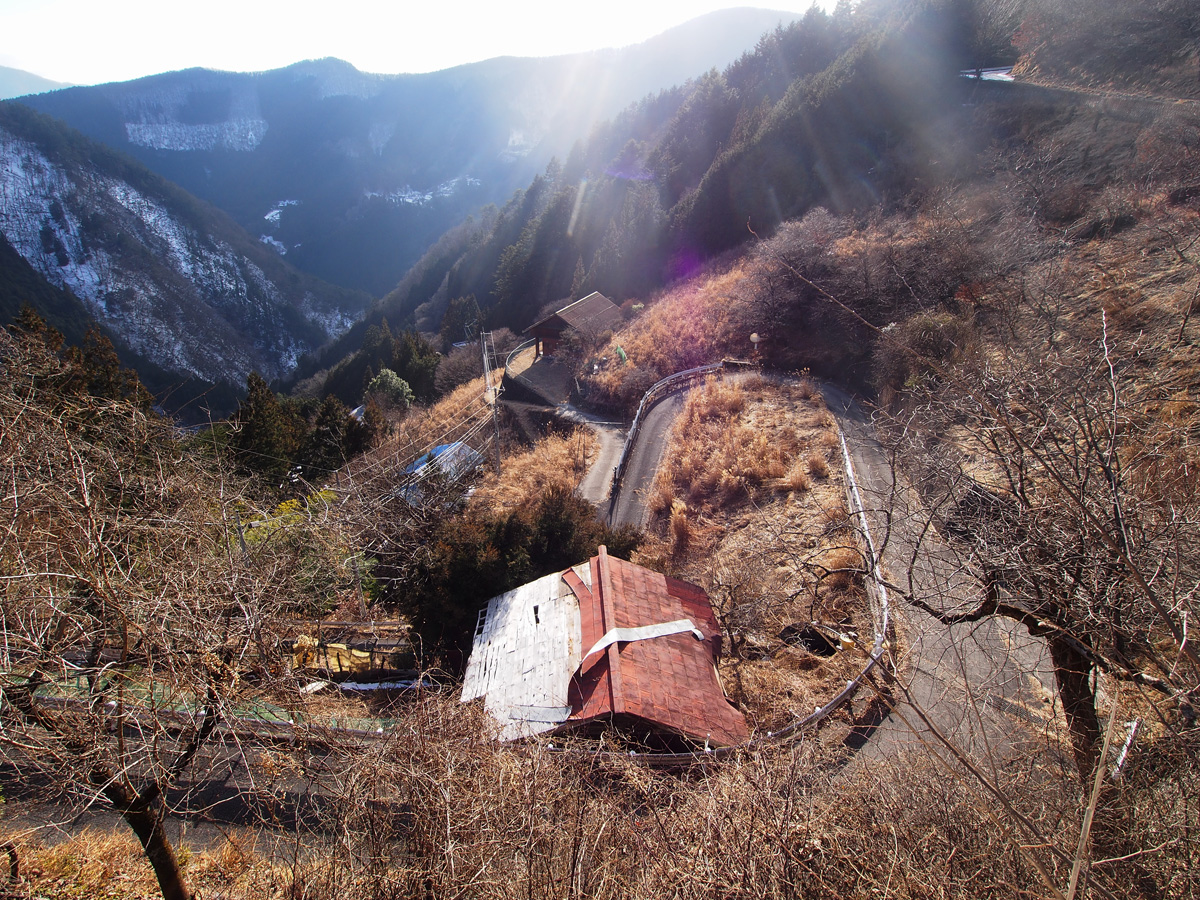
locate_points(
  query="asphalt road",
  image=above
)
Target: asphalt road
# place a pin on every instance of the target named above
(596, 484)
(215, 798)
(646, 458)
(976, 682)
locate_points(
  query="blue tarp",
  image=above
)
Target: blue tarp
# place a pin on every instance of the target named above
(455, 460)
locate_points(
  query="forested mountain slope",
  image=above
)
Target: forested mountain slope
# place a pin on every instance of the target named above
(858, 112)
(188, 293)
(354, 175)
(22, 285)
(840, 110)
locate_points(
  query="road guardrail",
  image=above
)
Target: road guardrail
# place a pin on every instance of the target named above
(657, 391)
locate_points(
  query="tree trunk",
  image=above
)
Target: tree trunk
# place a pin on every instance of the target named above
(1072, 673)
(1112, 823)
(144, 814)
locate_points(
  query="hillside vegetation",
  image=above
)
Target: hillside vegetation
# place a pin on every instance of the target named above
(194, 303)
(354, 175)
(1011, 286)
(805, 119)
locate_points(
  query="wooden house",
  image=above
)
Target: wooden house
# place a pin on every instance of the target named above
(604, 644)
(592, 315)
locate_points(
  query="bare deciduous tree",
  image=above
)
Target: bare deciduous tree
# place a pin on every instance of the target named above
(136, 631)
(1051, 471)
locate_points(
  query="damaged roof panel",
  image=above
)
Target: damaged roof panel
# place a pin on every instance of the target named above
(670, 680)
(526, 648)
(656, 643)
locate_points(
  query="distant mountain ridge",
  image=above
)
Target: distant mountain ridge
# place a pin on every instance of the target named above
(834, 111)
(353, 175)
(181, 286)
(18, 83)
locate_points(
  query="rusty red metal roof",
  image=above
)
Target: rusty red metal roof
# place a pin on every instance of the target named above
(668, 681)
(603, 642)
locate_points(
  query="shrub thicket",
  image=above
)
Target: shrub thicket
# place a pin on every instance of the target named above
(470, 558)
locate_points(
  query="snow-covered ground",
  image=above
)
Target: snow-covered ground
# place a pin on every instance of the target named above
(274, 243)
(409, 196)
(237, 134)
(275, 213)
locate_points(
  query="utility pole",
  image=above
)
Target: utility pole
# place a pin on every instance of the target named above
(491, 390)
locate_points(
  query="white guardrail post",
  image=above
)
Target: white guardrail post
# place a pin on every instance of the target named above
(880, 607)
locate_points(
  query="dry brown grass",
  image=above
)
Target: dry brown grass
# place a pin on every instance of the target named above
(739, 510)
(438, 810)
(694, 323)
(796, 479)
(834, 519)
(723, 457)
(680, 528)
(805, 388)
(818, 466)
(110, 865)
(94, 864)
(555, 461)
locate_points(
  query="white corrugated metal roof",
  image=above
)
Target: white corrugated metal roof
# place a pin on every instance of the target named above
(525, 651)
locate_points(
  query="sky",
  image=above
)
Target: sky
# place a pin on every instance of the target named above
(95, 41)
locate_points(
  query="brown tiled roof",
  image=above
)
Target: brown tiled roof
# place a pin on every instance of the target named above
(593, 314)
(668, 681)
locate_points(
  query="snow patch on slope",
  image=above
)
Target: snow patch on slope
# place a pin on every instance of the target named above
(177, 296)
(238, 134)
(166, 118)
(275, 213)
(407, 196)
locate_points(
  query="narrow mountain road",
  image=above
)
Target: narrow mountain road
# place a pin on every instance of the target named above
(596, 484)
(643, 464)
(974, 681)
(648, 453)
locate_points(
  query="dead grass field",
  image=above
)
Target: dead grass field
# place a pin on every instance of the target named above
(439, 811)
(750, 504)
(97, 864)
(691, 324)
(527, 472)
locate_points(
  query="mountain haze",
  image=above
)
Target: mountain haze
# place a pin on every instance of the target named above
(834, 110)
(18, 83)
(353, 175)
